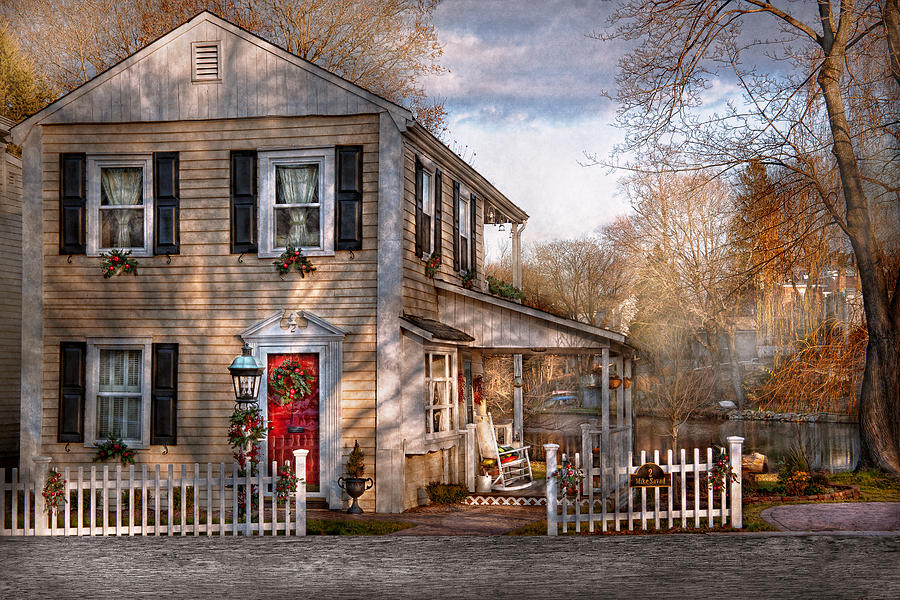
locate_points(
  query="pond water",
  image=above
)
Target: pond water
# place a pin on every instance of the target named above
(828, 446)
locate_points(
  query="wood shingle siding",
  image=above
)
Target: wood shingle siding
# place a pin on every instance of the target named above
(205, 296)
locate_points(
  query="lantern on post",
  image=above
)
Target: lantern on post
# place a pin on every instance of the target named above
(246, 372)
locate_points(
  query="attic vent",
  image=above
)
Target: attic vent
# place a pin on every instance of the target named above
(206, 65)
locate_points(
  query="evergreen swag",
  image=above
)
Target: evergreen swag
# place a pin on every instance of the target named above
(498, 287)
(356, 466)
(292, 258)
(114, 447)
(433, 265)
(246, 431)
(468, 279)
(116, 262)
(721, 473)
(286, 485)
(291, 381)
(54, 491)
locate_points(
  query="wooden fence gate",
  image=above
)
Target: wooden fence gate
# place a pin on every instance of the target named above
(606, 496)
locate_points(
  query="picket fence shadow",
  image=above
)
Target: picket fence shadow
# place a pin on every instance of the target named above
(188, 500)
(607, 499)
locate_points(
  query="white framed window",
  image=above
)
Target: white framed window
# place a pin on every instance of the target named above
(117, 399)
(441, 410)
(464, 231)
(120, 204)
(427, 169)
(296, 201)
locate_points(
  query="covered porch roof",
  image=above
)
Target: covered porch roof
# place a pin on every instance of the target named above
(501, 325)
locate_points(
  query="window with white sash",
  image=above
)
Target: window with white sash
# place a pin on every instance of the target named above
(118, 398)
(296, 201)
(120, 204)
(440, 398)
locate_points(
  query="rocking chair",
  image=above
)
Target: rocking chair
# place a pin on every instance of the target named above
(513, 464)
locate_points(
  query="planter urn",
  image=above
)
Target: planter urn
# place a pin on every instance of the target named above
(355, 486)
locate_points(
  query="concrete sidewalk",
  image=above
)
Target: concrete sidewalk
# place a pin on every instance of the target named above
(849, 516)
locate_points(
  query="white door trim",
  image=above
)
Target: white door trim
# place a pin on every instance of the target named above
(327, 343)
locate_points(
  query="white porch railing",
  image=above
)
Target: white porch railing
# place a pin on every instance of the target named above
(188, 500)
(607, 498)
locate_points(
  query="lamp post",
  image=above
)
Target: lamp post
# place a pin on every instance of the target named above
(246, 372)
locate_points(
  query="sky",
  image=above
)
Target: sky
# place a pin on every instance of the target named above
(524, 92)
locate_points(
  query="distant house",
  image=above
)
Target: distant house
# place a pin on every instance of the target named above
(11, 298)
(206, 154)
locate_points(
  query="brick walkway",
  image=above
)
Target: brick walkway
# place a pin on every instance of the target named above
(450, 520)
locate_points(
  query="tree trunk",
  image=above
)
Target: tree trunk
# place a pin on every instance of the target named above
(879, 402)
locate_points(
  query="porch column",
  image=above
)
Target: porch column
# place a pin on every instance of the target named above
(627, 373)
(518, 408)
(604, 388)
(620, 393)
(517, 254)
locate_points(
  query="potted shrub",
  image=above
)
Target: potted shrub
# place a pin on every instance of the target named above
(354, 484)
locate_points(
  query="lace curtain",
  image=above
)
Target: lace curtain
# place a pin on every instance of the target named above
(122, 211)
(296, 206)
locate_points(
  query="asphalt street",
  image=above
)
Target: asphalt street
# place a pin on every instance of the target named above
(658, 566)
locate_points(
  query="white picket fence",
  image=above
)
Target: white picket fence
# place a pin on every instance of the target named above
(606, 498)
(182, 500)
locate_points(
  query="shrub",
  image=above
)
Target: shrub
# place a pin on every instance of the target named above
(500, 288)
(356, 467)
(796, 483)
(446, 493)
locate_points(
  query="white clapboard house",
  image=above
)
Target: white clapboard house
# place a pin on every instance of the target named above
(205, 154)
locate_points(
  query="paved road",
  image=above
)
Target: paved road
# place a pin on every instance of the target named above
(666, 566)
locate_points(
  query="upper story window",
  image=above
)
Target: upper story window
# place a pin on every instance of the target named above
(296, 201)
(464, 232)
(120, 204)
(425, 204)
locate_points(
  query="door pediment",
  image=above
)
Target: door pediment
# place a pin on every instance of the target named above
(290, 324)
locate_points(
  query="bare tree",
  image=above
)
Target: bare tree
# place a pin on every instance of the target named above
(821, 98)
(685, 261)
(383, 45)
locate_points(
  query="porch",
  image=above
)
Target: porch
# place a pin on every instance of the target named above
(598, 365)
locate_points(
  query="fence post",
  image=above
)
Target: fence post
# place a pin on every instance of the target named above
(552, 494)
(735, 444)
(41, 471)
(471, 457)
(300, 497)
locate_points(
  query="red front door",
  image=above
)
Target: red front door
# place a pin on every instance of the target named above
(295, 425)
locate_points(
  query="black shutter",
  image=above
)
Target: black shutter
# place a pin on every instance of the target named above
(348, 219)
(72, 203)
(420, 213)
(456, 226)
(438, 200)
(164, 398)
(243, 201)
(166, 199)
(71, 392)
(473, 229)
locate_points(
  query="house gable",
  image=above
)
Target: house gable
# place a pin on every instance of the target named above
(255, 79)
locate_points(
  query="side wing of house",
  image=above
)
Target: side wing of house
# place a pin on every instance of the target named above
(11, 299)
